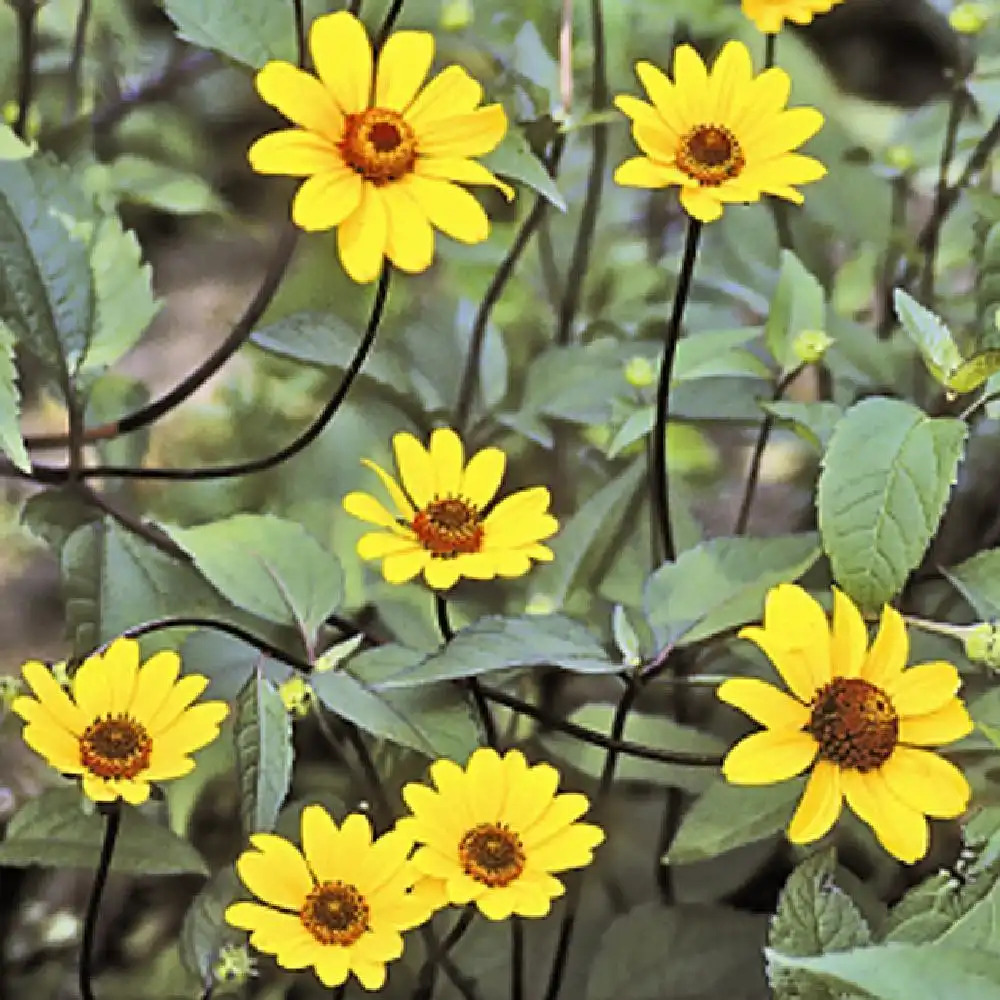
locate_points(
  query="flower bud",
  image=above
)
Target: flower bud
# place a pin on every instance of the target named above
(900, 158)
(11, 687)
(982, 644)
(234, 965)
(969, 18)
(640, 372)
(297, 696)
(810, 346)
(456, 14)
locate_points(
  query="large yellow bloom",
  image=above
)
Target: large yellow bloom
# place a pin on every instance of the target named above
(494, 833)
(440, 526)
(770, 15)
(854, 714)
(124, 726)
(379, 159)
(338, 905)
(722, 136)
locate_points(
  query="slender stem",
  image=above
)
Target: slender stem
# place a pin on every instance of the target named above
(300, 32)
(756, 459)
(573, 289)
(477, 338)
(977, 403)
(392, 15)
(893, 252)
(770, 49)
(441, 611)
(427, 973)
(568, 925)
(27, 12)
(516, 958)
(112, 813)
(930, 248)
(660, 487)
(74, 81)
(290, 450)
(370, 771)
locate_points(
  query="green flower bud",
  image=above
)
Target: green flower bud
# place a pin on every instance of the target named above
(810, 346)
(234, 965)
(982, 644)
(11, 687)
(969, 18)
(640, 372)
(456, 14)
(900, 157)
(540, 604)
(297, 696)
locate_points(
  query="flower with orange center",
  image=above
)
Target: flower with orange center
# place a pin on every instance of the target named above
(770, 15)
(445, 523)
(124, 726)
(495, 832)
(380, 152)
(721, 135)
(856, 716)
(339, 905)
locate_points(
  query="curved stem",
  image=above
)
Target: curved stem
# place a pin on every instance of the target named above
(391, 17)
(660, 487)
(477, 338)
(112, 813)
(290, 450)
(568, 925)
(76, 61)
(437, 952)
(27, 14)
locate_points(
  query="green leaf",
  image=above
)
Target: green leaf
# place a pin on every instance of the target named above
(708, 830)
(885, 481)
(496, 643)
(11, 441)
(722, 583)
(262, 730)
(655, 952)
(55, 514)
(252, 31)
(11, 147)
(513, 158)
(61, 829)
(978, 580)
(158, 185)
(205, 930)
(267, 566)
(905, 972)
(814, 916)
(798, 304)
(814, 422)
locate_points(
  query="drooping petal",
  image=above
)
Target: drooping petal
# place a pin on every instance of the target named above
(398, 497)
(763, 702)
(900, 829)
(927, 782)
(441, 574)
(701, 203)
(820, 804)
(342, 56)
(769, 756)
(410, 240)
(403, 64)
(463, 170)
(449, 208)
(924, 688)
(327, 199)
(362, 236)
(936, 728)
(400, 567)
(301, 98)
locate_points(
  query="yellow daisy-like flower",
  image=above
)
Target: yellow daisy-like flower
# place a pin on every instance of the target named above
(857, 716)
(770, 15)
(124, 726)
(338, 905)
(495, 832)
(441, 526)
(722, 135)
(379, 151)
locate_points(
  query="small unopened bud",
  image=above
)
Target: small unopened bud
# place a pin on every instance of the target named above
(234, 965)
(900, 157)
(969, 18)
(810, 346)
(540, 604)
(10, 688)
(640, 372)
(297, 696)
(456, 14)
(982, 644)
(60, 671)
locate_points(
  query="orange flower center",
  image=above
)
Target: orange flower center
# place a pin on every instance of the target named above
(335, 913)
(447, 527)
(492, 854)
(854, 723)
(379, 144)
(710, 154)
(115, 747)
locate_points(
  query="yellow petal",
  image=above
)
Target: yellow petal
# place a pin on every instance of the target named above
(530, 791)
(52, 697)
(57, 745)
(415, 468)
(301, 98)
(486, 785)
(333, 966)
(275, 871)
(482, 476)
(371, 975)
(642, 172)
(327, 199)
(379, 544)
(194, 729)
(562, 812)
(789, 131)
(133, 791)
(165, 768)
(520, 518)
(441, 574)
(887, 657)
(410, 238)
(690, 72)
(767, 757)
(664, 140)
(671, 104)
(900, 829)
(98, 789)
(701, 203)
(848, 636)
(924, 688)
(342, 56)
(763, 702)
(121, 660)
(820, 804)
(294, 153)
(157, 676)
(451, 92)
(511, 563)
(927, 782)
(362, 236)
(936, 728)
(402, 66)
(447, 460)
(473, 134)
(183, 694)
(321, 844)
(498, 903)
(92, 688)
(366, 508)
(398, 497)
(463, 170)
(729, 81)
(404, 566)
(573, 847)
(450, 208)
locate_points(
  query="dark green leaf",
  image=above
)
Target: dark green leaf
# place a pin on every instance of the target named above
(978, 580)
(11, 441)
(513, 158)
(205, 930)
(797, 305)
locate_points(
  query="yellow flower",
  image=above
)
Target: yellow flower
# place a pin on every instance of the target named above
(337, 905)
(380, 161)
(495, 832)
(124, 726)
(854, 714)
(770, 15)
(440, 527)
(722, 136)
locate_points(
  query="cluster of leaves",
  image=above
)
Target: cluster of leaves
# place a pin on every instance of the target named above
(255, 579)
